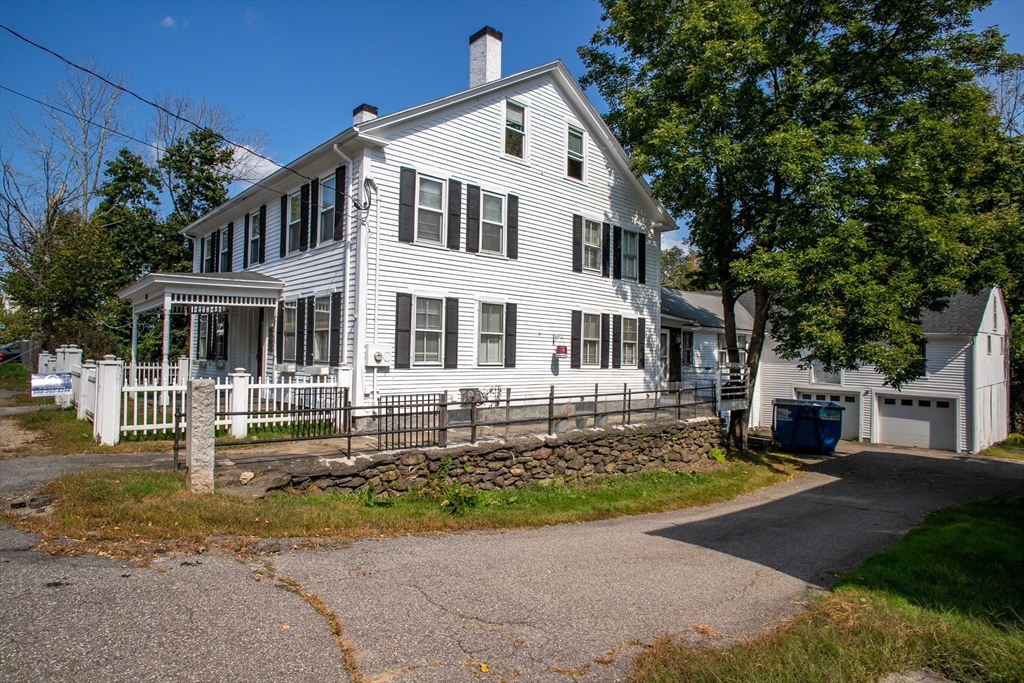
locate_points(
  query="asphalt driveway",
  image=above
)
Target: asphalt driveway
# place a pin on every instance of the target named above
(571, 602)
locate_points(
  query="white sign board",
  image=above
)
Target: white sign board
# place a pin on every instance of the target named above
(51, 384)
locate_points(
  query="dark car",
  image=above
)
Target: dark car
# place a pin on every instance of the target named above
(10, 352)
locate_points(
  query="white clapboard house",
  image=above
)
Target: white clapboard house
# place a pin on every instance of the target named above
(960, 404)
(495, 238)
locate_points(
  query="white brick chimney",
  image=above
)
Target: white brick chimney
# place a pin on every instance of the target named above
(484, 56)
(364, 112)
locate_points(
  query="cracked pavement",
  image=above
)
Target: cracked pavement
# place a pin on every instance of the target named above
(564, 603)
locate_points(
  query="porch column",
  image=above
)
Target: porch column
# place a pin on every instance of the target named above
(166, 349)
(135, 344)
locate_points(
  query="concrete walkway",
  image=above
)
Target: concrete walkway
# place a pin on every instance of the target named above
(564, 603)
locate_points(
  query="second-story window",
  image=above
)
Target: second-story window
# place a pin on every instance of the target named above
(429, 210)
(492, 229)
(591, 339)
(255, 235)
(327, 210)
(209, 258)
(630, 255)
(515, 130)
(294, 221)
(288, 332)
(592, 245)
(574, 161)
(225, 251)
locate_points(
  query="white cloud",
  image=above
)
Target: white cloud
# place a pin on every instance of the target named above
(169, 22)
(251, 167)
(251, 16)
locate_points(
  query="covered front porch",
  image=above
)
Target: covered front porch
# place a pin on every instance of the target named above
(231, 319)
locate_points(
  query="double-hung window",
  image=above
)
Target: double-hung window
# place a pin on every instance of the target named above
(629, 341)
(294, 221)
(225, 251)
(492, 334)
(255, 236)
(204, 338)
(492, 228)
(663, 352)
(723, 350)
(209, 258)
(574, 154)
(428, 331)
(591, 245)
(515, 130)
(288, 332)
(630, 255)
(429, 210)
(219, 335)
(327, 210)
(321, 329)
(591, 339)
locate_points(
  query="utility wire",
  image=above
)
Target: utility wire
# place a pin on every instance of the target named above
(148, 102)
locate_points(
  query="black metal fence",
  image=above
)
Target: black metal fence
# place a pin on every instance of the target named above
(421, 420)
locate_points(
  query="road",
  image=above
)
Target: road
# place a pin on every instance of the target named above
(563, 603)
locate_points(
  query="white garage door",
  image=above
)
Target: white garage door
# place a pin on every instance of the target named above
(917, 421)
(851, 414)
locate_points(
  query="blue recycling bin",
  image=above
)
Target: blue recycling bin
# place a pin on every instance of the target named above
(806, 425)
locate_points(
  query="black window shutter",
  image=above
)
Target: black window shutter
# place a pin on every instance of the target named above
(617, 341)
(454, 214)
(245, 244)
(304, 218)
(335, 342)
(406, 206)
(403, 330)
(215, 252)
(577, 339)
(231, 247)
(451, 333)
(605, 324)
(577, 244)
(642, 258)
(340, 205)
(314, 212)
(472, 218)
(280, 332)
(263, 235)
(606, 249)
(641, 343)
(617, 254)
(511, 311)
(284, 224)
(310, 322)
(300, 331)
(513, 226)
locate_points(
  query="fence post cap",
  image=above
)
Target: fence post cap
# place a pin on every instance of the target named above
(63, 346)
(109, 356)
(240, 370)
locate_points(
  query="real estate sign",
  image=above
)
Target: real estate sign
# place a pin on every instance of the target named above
(51, 384)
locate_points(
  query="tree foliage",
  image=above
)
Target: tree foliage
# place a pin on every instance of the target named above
(838, 158)
(680, 269)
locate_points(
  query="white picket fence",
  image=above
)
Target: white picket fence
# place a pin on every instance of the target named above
(142, 374)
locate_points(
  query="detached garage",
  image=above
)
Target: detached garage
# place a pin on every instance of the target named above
(923, 422)
(850, 401)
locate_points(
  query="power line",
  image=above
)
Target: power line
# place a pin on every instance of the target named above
(148, 102)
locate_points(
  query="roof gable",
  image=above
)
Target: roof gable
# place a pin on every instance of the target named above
(963, 315)
(702, 308)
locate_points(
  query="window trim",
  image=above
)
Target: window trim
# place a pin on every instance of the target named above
(626, 232)
(599, 246)
(416, 331)
(292, 306)
(441, 241)
(635, 343)
(571, 127)
(323, 225)
(294, 224)
(255, 240)
(593, 340)
(480, 334)
(505, 130)
(225, 251)
(317, 303)
(208, 255)
(203, 341)
(504, 220)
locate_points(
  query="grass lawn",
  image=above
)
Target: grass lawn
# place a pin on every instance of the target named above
(128, 506)
(14, 377)
(949, 597)
(61, 432)
(1012, 448)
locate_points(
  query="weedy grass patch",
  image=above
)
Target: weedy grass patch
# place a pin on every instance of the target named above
(949, 597)
(1012, 448)
(126, 506)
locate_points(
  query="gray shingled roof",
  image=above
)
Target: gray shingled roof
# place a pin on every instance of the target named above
(702, 308)
(962, 316)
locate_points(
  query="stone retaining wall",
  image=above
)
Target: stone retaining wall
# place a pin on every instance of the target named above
(580, 454)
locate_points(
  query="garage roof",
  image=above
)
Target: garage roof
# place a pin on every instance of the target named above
(962, 316)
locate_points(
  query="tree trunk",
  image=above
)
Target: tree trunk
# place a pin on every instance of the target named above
(762, 302)
(737, 418)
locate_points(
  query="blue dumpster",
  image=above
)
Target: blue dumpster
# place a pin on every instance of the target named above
(807, 426)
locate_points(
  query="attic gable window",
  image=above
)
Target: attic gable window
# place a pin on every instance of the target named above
(515, 130)
(294, 221)
(430, 210)
(574, 161)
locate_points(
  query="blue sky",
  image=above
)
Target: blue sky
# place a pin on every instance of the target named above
(297, 69)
